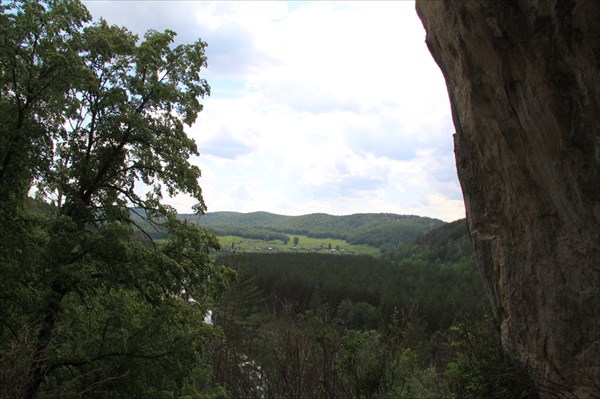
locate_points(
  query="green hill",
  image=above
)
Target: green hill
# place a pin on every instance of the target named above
(449, 243)
(379, 230)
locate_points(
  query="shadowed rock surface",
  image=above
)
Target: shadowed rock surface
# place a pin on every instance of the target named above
(524, 84)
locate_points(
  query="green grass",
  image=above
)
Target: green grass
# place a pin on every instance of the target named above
(305, 244)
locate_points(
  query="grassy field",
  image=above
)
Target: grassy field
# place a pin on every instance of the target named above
(305, 244)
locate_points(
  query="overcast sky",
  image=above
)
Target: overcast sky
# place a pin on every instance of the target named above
(332, 107)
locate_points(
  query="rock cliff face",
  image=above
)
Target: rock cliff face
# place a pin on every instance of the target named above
(523, 78)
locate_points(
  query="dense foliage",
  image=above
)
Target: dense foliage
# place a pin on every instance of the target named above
(89, 306)
(324, 326)
(447, 244)
(440, 292)
(249, 232)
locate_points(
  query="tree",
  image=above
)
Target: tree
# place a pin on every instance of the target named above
(89, 116)
(37, 64)
(296, 241)
(479, 367)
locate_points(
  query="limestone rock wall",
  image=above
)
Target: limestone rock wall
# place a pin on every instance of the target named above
(523, 78)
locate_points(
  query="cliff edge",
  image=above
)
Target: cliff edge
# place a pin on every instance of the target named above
(524, 84)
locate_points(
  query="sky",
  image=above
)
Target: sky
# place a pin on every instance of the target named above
(333, 107)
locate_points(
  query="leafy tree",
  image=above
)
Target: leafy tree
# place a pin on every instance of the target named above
(87, 113)
(36, 65)
(239, 314)
(479, 368)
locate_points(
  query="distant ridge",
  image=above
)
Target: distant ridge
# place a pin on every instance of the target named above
(381, 230)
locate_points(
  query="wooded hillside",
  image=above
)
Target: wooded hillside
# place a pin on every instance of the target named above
(380, 230)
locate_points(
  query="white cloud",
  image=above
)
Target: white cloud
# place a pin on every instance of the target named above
(331, 107)
(224, 145)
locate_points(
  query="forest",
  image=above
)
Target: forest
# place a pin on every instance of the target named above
(107, 292)
(413, 323)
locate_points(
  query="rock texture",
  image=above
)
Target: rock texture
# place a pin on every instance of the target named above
(523, 78)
